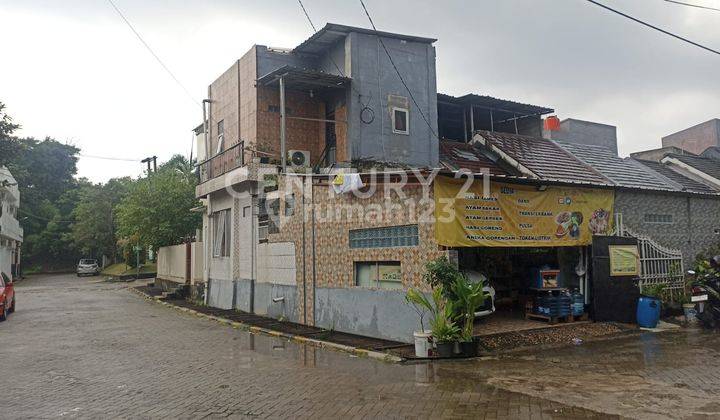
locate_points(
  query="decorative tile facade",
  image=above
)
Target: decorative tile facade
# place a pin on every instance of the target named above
(326, 238)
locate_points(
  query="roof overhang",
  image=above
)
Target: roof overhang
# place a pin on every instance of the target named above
(495, 104)
(333, 33)
(296, 78)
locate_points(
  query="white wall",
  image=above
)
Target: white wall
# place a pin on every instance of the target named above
(276, 263)
(171, 262)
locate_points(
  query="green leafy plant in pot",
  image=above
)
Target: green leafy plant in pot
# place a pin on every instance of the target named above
(445, 332)
(468, 297)
(420, 303)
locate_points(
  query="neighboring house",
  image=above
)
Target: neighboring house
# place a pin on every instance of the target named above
(701, 169)
(11, 234)
(674, 210)
(712, 152)
(656, 155)
(695, 139)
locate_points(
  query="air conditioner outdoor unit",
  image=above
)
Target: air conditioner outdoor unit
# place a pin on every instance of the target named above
(299, 158)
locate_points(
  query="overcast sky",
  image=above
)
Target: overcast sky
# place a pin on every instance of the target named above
(73, 70)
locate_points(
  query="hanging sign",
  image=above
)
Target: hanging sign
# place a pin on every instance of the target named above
(624, 260)
(513, 215)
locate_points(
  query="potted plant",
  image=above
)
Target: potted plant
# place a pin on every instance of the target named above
(421, 305)
(650, 305)
(444, 332)
(468, 297)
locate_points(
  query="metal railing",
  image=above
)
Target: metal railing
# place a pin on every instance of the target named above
(222, 163)
(658, 264)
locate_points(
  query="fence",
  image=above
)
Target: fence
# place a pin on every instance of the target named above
(172, 263)
(658, 264)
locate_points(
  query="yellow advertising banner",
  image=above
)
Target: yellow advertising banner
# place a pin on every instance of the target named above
(624, 260)
(513, 215)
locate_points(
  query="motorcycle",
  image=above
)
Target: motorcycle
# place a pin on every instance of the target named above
(706, 294)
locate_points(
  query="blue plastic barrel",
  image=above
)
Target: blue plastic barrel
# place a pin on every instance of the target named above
(648, 312)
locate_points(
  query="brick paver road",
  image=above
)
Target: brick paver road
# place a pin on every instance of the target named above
(84, 348)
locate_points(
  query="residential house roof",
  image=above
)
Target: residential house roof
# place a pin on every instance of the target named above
(685, 183)
(622, 172)
(712, 152)
(332, 33)
(456, 156)
(542, 157)
(710, 167)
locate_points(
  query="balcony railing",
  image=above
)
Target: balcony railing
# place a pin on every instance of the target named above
(222, 163)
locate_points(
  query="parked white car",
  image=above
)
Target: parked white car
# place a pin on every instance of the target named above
(88, 267)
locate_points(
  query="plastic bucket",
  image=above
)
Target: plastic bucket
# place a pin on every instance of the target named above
(648, 311)
(422, 343)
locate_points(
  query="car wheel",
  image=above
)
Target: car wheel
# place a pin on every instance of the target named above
(12, 307)
(4, 313)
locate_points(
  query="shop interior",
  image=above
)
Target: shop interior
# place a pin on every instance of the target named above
(529, 284)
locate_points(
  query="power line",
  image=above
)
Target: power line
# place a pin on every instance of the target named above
(357, 92)
(307, 16)
(137, 34)
(693, 5)
(45, 219)
(396, 69)
(108, 158)
(653, 27)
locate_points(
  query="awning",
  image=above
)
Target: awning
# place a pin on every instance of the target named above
(304, 79)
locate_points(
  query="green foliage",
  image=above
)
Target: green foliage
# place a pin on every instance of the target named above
(421, 304)
(654, 290)
(45, 173)
(156, 210)
(94, 229)
(469, 296)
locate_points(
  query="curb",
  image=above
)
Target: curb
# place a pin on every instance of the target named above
(370, 354)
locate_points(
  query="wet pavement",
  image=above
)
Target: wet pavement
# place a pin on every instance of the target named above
(79, 348)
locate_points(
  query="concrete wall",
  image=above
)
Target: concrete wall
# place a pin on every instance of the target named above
(374, 313)
(171, 262)
(586, 132)
(374, 76)
(697, 138)
(694, 219)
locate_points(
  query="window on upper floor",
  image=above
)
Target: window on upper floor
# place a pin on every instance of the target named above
(400, 120)
(220, 136)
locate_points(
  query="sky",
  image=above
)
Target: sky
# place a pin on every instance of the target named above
(73, 70)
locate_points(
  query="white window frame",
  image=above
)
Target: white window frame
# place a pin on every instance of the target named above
(222, 221)
(375, 266)
(221, 137)
(407, 120)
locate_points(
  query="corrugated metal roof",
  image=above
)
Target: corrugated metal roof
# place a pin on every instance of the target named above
(686, 184)
(544, 158)
(622, 172)
(494, 103)
(458, 156)
(331, 33)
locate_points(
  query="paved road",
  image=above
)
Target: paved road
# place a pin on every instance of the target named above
(83, 348)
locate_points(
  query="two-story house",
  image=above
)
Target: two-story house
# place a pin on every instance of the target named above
(335, 100)
(11, 234)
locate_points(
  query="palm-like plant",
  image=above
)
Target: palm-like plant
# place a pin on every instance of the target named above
(469, 296)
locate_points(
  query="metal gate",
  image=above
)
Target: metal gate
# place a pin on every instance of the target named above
(658, 264)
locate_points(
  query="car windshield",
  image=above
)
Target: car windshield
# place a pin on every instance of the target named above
(87, 262)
